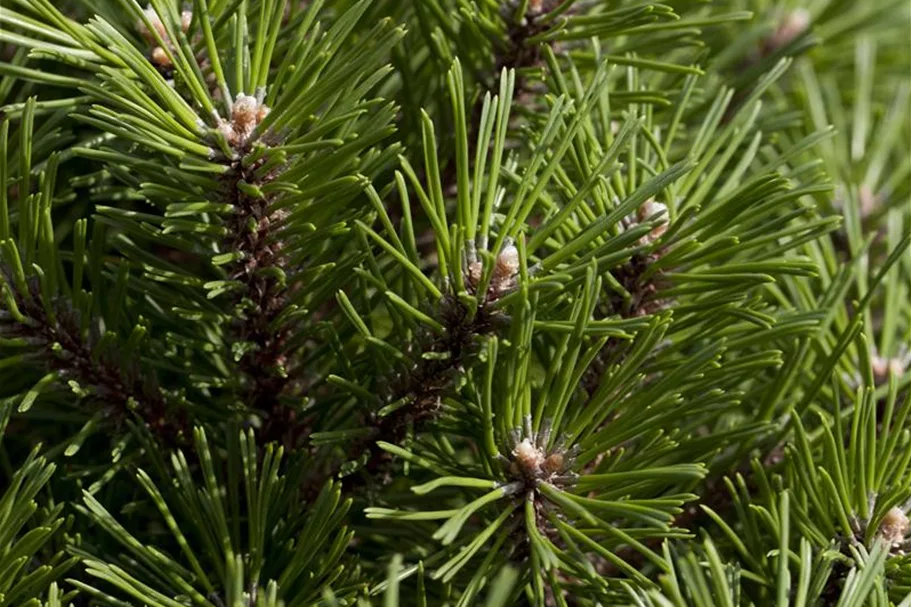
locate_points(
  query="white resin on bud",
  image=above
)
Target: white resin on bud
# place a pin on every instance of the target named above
(160, 57)
(792, 25)
(650, 209)
(153, 18)
(528, 457)
(504, 274)
(883, 367)
(895, 526)
(246, 114)
(507, 263)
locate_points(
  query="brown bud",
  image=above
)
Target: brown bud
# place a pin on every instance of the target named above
(792, 25)
(244, 111)
(554, 463)
(160, 57)
(528, 458)
(507, 263)
(868, 200)
(883, 367)
(474, 272)
(228, 131)
(894, 526)
(505, 271)
(158, 26)
(649, 209)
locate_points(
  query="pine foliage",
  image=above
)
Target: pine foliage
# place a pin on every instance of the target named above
(455, 302)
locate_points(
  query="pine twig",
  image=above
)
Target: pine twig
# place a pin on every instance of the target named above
(423, 386)
(253, 234)
(122, 387)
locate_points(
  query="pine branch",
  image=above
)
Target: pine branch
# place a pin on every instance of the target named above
(417, 392)
(637, 298)
(261, 269)
(515, 52)
(121, 387)
(625, 350)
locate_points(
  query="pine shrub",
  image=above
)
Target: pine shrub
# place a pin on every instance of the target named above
(455, 302)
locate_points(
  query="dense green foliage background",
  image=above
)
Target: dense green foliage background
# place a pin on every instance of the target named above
(455, 302)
